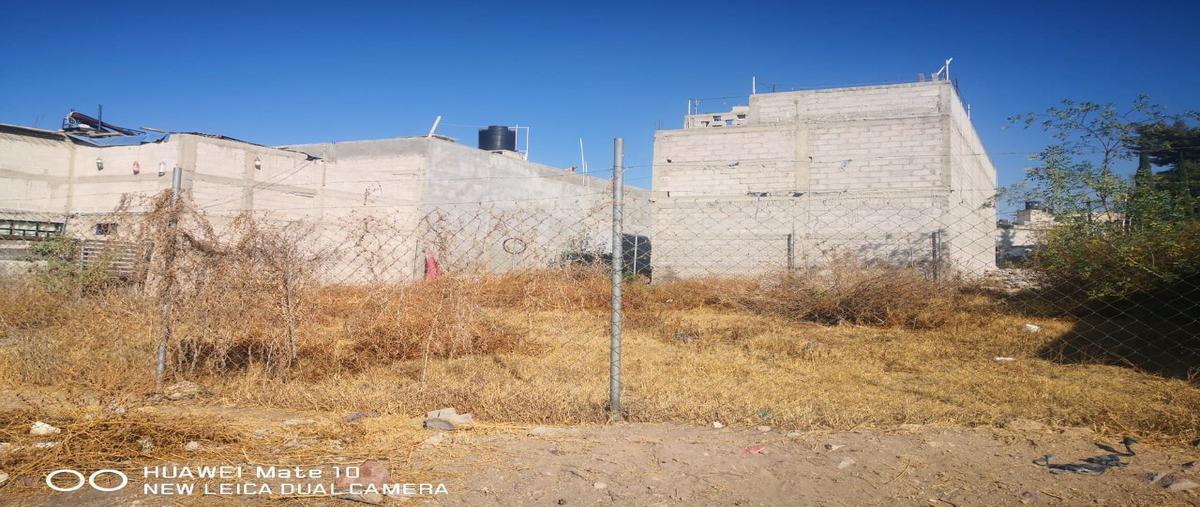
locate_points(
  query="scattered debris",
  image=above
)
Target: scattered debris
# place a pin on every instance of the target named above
(192, 446)
(718, 425)
(183, 390)
(846, 463)
(1032, 328)
(599, 485)
(146, 443)
(298, 422)
(755, 449)
(834, 447)
(447, 419)
(1004, 359)
(41, 429)
(44, 445)
(361, 415)
(1095, 465)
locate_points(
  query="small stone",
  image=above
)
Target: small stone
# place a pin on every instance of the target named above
(361, 415)
(183, 390)
(764, 429)
(1020, 424)
(192, 446)
(146, 443)
(368, 497)
(561, 501)
(1183, 485)
(599, 485)
(1032, 328)
(447, 419)
(434, 440)
(298, 422)
(834, 447)
(846, 463)
(548, 431)
(3, 478)
(41, 429)
(114, 408)
(718, 425)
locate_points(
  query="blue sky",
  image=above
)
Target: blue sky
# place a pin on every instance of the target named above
(300, 72)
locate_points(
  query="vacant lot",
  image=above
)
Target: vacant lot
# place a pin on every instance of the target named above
(533, 349)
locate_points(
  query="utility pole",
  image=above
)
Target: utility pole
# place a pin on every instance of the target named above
(614, 386)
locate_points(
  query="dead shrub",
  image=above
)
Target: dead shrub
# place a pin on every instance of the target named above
(442, 318)
(850, 293)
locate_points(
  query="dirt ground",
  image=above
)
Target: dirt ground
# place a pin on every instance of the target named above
(664, 464)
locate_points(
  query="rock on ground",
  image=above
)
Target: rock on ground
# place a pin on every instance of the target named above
(183, 390)
(447, 419)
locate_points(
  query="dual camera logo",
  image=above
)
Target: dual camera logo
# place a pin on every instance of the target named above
(80, 480)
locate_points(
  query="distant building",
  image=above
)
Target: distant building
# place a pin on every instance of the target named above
(891, 174)
(1018, 239)
(380, 203)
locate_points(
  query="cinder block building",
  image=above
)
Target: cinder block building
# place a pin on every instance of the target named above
(376, 206)
(892, 174)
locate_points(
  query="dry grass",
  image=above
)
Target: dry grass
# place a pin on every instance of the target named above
(870, 349)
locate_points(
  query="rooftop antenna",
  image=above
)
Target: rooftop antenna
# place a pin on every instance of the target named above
(432, 130)
(582, 159)
(100, 117)
(944, 72)
(753, 85)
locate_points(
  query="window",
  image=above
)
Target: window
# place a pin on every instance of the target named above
(12, 229)
(106, 229)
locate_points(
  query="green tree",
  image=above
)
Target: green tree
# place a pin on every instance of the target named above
(1119, 233)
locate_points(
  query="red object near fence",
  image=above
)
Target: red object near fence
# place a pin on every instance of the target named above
(432, 270)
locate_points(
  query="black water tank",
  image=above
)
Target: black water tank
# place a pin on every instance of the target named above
(497, 137)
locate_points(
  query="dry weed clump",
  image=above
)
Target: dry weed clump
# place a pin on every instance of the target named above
(442, 318)
(90, 440)
(854, 294)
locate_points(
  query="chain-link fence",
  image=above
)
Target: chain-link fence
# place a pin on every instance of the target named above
(839, 250)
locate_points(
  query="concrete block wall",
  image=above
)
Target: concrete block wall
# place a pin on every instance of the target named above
(865, 171)
(369, 202)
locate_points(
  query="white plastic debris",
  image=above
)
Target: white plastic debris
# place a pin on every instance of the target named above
(718, 425)
(1004, 358)
(42, 429)
(1032, 328)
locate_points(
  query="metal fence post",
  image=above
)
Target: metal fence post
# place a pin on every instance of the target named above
(614, 386)
(168, 281)
(935, 240)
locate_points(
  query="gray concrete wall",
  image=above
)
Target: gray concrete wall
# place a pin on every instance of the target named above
(373, 205)
(870, 172)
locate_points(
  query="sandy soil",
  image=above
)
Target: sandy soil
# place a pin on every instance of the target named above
(661, 464)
